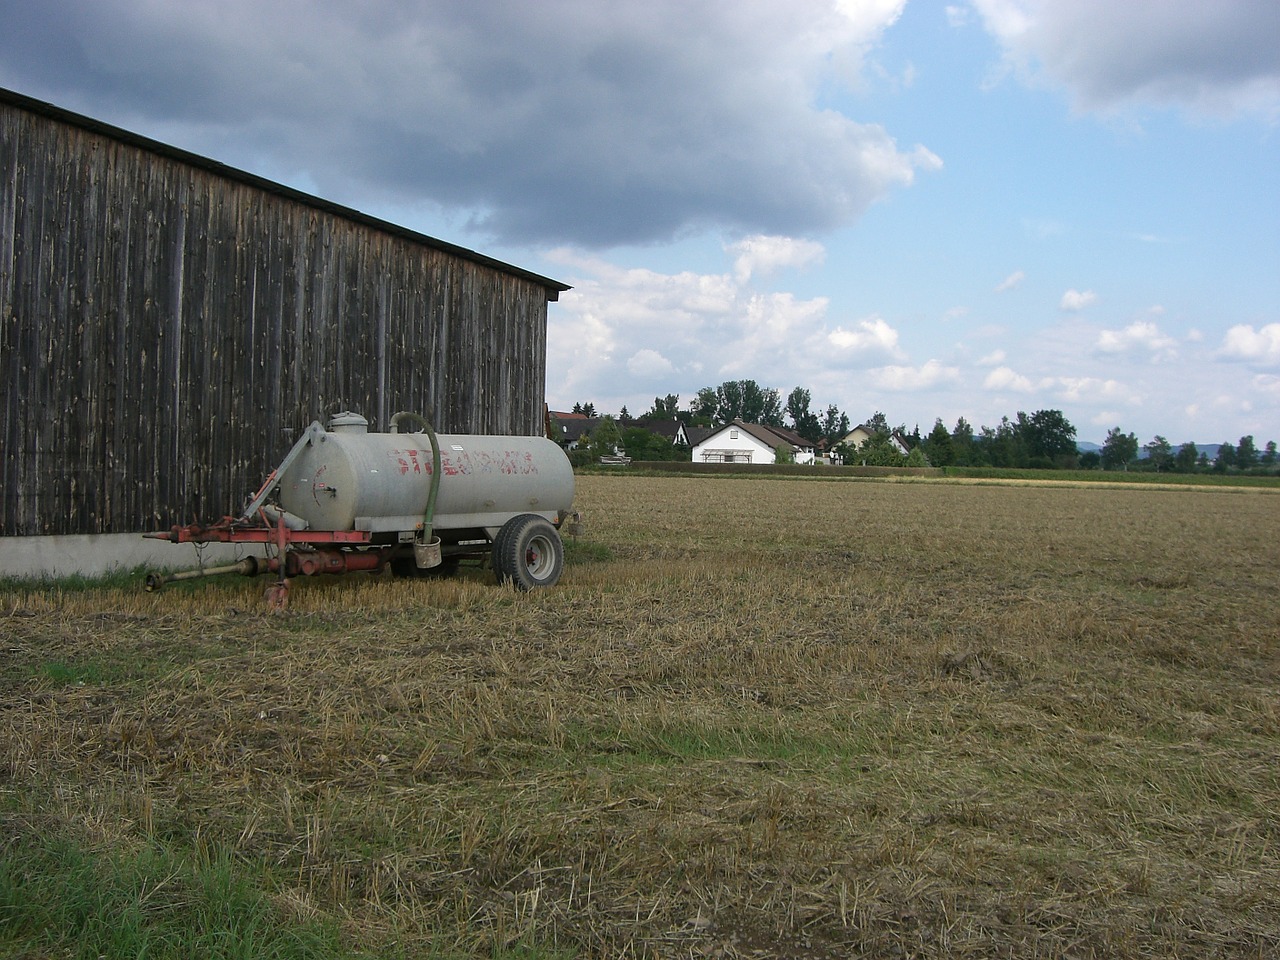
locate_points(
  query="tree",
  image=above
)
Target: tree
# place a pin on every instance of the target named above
(665, 408)
(878, 451)
(835, 425)
(783, 453)
(1268, 458)
(803, 421)
(742, 400)
(732, 402)
(1184, 461)
(705, 404)
(964, 452)
(1160, 453)
(1118, 449)
(622, 414)
(642, 444)
(938, 446)
(771, 414)
(878, 423)
(1049, 438)
(1226, 457)
(1006, 445)
(605, 439)
(586, 409)
(1246, 454)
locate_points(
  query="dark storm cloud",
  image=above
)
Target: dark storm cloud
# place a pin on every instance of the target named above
(573, 121)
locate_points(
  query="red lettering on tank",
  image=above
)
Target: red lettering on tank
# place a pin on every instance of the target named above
(454, 468)
(411, 461)
(401, 458)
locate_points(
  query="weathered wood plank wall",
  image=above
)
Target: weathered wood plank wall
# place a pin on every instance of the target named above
(167, 330)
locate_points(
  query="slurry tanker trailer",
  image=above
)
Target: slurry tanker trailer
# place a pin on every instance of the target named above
(345, 500)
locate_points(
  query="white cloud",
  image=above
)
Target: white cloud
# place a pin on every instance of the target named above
(870, 335)
(649, 364)
(1087, 389)
(1267, 384)
(560, 121)
(1216, 58)
(771, 336)
(1003, 378)
(995, 358)
(869, 17)
(1075, 300)
(1011, 281)
(763, 255)
(622, 332)
(1140, 336)
(931, 374)
(1243, 342)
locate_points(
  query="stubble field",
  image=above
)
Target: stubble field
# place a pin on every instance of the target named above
(758, 718)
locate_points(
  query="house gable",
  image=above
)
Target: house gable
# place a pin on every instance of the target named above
(862, 433)
(734, 443)
(740, 442)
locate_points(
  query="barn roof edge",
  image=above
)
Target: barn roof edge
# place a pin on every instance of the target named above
(43, 108)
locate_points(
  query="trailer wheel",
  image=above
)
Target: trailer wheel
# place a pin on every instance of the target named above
(527, 553)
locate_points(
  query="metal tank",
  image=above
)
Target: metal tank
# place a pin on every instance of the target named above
(351, 479)
(345, 500)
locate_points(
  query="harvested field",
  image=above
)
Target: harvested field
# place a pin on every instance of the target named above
(758, 718)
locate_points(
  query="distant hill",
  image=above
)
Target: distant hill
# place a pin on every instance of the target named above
(1210, 450)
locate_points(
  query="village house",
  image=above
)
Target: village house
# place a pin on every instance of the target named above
(739, 442)
(862, 433)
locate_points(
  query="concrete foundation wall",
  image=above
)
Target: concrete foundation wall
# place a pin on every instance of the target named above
(96, 555)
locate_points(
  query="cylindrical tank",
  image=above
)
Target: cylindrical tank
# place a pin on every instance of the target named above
(350, 479)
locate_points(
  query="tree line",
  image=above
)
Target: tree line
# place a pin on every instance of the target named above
(1044, 439)
(1120, 452)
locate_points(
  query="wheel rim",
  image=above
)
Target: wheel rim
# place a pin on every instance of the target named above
(539, 558)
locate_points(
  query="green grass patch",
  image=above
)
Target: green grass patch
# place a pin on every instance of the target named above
(76, 583)
(58, 894)
(62, 674)
(578, 551)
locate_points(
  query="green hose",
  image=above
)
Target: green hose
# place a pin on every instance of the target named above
(429, 517)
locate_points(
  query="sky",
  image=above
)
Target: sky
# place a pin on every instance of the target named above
(926, 209)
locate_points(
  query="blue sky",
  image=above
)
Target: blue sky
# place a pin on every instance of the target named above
(932, 210)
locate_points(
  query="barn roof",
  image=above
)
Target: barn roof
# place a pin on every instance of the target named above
(553, 287)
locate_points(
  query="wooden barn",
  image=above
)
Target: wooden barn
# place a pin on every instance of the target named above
(169, 325)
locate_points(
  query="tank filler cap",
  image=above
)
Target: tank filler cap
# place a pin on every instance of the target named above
(348, 422)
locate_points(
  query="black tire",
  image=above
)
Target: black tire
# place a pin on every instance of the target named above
(527, 553)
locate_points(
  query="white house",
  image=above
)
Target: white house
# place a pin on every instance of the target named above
(861, 434)
(739, 442)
